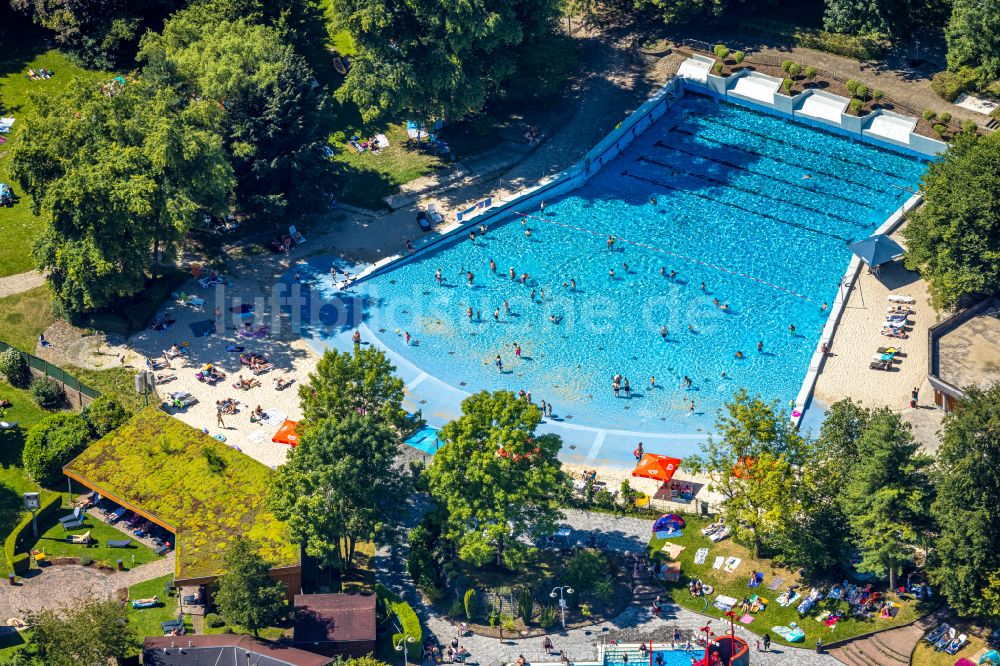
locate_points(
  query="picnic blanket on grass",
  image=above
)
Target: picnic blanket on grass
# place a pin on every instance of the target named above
(776, 584)
(747, 618)
(732, 564)
(672, 550)
(724, 603)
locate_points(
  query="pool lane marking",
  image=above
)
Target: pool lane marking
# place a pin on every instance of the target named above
(418, 381)
(595, 448)
(673, 254)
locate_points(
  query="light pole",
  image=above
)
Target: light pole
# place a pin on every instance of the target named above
(401, 644)
(562, 600)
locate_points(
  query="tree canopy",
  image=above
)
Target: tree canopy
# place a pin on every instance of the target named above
(441, 59)
(349, 383)
(272, 113)
(954, 237)
(247, 595)
(341, 485)
(965, 563)
(89, 631)
(497, 481)
(973, 35)
(887, 495)
(51, 443)
(119, 173)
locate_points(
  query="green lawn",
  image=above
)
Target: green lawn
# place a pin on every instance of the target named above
(18, 226)
(115, 382)
(267, 633)
(53, 543)
(23, 316)
(735, 585)
(146, 621)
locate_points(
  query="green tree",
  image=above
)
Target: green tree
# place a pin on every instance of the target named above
(247, 595)
(119, 174)
(965, 561)
(349, 383)
(51, 443)
(105, 414)
(438, 59)
(897, 18)
(497, 481)
(14, 367)
(887, 495)
(954, 237)
(342, 485)
(90, 631)
(272, 113)
(756, 463)
(973, 35)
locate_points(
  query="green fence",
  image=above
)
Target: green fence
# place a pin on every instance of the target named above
(68, 381)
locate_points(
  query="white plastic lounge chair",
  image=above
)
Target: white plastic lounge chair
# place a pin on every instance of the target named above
(79, 538)
(436, 217)
(899, 298)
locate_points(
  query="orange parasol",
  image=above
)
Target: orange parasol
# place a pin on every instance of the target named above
(286, 434)
(655, 466)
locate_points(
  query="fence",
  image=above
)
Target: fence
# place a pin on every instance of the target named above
(70, 384)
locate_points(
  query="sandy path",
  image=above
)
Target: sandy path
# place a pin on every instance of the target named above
(15, 284)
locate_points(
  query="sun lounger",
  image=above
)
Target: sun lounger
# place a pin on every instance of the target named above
(8, 425)
(116, 515)
(713, 528)
(71, 517)
(145, 603)
(700, 555)
(164, 549)
(936, 634)
(946, 638)
(809, 602)
(436, 217)
(119, 543)
(79, 538)
(73, 525)
(261, 369)
(956, 644)
(897, 298)
(170, 625)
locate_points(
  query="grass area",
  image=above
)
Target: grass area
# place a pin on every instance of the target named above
(267, 633)
(53, 543)
(925, 654)
(146, 621)
(210, 492)
(18, 225)
(115, 382)
(735, 585)
(23, 316)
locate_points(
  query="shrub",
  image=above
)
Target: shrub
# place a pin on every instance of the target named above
(854, 107)
(403, 612)
(969, 126)
(14, 367)
(471, 604)
(525, 604)
(721, 52)
(852, 86)
(786, 65)
(950, 85)
(786, 85)
(585, 610)
(584, 569)
(604, 589)
(929, 115)
(603, 498)
(877, 95)
(507, 622)
(940, 129)
(46, 392)
(105, 414)
(861, 92)
(794, 70)
(214, 621)
(945, 117)
(739, 56)
(86, 560)
(811, 72)
(455, 610)
(850, 46)
(547, 617)
(494, 618)
(629, 494)
(216, 463)
(717, 68)
(51, 443)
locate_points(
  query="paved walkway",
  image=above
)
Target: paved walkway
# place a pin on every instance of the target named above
(58, 586)
(15, 284)
(579, 644)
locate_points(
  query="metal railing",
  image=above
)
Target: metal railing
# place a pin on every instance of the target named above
(43, 367)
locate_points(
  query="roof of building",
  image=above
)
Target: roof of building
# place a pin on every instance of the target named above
(341, 618)
(204, 491)
(965, 348)
(224, 650)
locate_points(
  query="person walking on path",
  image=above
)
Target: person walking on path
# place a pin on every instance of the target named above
(767, 642)
(218, 418)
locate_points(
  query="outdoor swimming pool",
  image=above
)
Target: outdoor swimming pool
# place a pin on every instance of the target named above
(757, 209)
(670, 658)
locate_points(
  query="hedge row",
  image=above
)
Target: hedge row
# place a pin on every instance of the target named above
(402, 611)
(18, 540)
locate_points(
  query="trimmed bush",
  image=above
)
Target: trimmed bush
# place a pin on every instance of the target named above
(547, 617)
(969, 126)
(51, 443)
(105, 414)
(739, 56)
(940, 129)
(86, 560)
(929, 115)
(46, 392)
(811, 72)
(861, 92)
(945, 117)
(402, 611)
(14, 367)
(786, 65)
(214, 621)
(794, 70)
(854, 107)
(852, 86)
(525, 604)
(720, 51)
(717, 68)
(786, 85)
(18, 540)
(471, 604)
(877, 95)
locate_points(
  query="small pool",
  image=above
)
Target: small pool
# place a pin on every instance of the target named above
(425, 440)
(670, 658)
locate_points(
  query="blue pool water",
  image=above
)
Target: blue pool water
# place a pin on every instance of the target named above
(757, 208)
(670, 658)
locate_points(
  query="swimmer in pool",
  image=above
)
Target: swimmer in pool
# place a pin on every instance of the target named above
(513, 275)
(791, 329)
(703, 288)
(739, 354)
(823, 307)
(760, 346)
(625, 266)
(493, 266)
(472, 236)
(673, 274)
(572, 284)
(611, 274)
(469, 276)
(663, 332)
(652, 200)
(663, 271)
(468, 311)
(437, 275)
